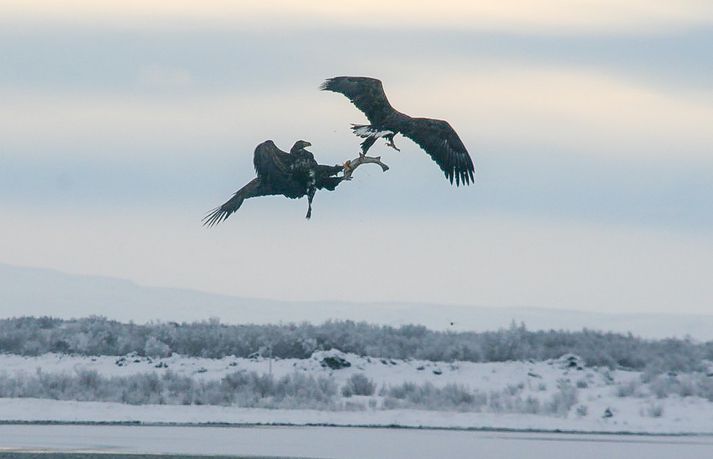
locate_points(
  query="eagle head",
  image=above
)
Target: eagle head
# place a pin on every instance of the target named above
(300, 144)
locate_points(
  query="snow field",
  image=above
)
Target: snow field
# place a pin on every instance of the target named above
(557, 394)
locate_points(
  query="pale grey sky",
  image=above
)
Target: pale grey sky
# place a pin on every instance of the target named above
(590, 126)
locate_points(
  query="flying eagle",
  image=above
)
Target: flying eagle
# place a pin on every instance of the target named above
(293, 175)
(436, 137)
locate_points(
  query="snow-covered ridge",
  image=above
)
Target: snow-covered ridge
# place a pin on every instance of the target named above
(557, 394)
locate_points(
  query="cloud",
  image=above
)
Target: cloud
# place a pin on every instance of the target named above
(545, 16)
(125, 126)
(491, 103)
(581, 110)
(548, 141)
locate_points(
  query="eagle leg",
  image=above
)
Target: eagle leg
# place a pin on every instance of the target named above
(310, 196)
(390, 142)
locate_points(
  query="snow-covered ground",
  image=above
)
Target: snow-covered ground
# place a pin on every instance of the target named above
(598, 391)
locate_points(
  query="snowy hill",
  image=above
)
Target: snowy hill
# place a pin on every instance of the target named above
(32, 291)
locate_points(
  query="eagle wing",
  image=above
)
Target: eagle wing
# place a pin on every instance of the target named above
(255, 187)
(270, 162)
(443, 145)
(252, 189)
(367, 94)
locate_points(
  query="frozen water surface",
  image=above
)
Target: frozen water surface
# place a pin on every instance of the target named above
(347, 443)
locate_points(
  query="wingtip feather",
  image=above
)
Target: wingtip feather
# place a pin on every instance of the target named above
(210, 219)
(326, 85)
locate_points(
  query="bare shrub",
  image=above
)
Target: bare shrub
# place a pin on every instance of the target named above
(562, 400)
(683, 385)
(662, 386)
(156, 348)
(358, 384)
(582, 410)
(532, 405)
(427, 396)
(653, 410)
(629, 389)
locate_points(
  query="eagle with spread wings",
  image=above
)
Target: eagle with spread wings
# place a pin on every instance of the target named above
(439, 140)
(294, 175)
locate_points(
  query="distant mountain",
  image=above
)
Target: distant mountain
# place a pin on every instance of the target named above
(33, 291)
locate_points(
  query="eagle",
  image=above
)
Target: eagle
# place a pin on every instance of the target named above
(293, 175)
(436, 137)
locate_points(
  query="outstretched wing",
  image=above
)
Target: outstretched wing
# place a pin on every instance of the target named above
(253, 189)
(270, 162)
(367, 94)
(441, 142)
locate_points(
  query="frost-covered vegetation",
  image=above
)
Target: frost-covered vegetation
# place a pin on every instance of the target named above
(347, 366)
(295, 390)
(694, 384)
(552, 388)
(99, 336)
(247, 389)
